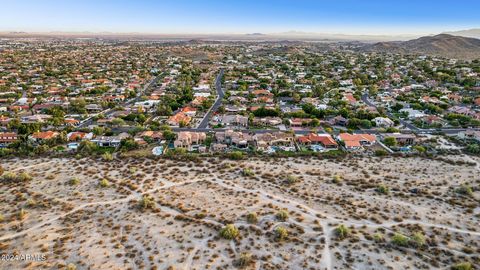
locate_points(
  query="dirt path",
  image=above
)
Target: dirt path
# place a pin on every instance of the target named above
(78, 208)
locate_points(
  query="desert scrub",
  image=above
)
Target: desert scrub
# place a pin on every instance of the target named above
(229, 232)
(247, 172)
(236, 155)
(104, 183)
(11, 177)
(417, 240)
(74, 181)
(281, 234)
(399, 239)
(337, 179)
(252, 217)
(462, 266)
(291, 179)
(342, 232)
(282, 215)
(245, 259)
(382, 189)
(1, 218)
(24, 177)
(31, 203)
(464, 190)
(22, 214)
(146, 202)
(107, 156)
(378, 237)
(71, 266)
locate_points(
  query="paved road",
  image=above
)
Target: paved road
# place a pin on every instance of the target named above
(177, 129)
(218, 86)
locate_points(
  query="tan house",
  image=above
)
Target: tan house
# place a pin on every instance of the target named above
(189, 140)
(235, 138)
(178, 119)
(264, 140)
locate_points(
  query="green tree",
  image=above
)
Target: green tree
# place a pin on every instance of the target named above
(390, 141)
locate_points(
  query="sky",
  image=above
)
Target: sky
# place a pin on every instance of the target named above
(378, 17)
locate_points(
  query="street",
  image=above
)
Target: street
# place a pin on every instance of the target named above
(218, 102)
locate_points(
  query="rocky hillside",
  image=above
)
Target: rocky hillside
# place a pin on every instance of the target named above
(442, 45)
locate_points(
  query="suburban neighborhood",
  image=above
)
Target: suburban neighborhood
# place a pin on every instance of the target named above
(264, 98)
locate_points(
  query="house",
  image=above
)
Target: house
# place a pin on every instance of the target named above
(78, 136)
(104, 121)
(234, 138)
(235, 108)
(189, 140)
(350, 98)
(231, 120)
(339, 120)
(178, 119)
(461, 110)
(71, 122)
(6, 138)
(262, 93)
(155, 136)
(324, 140)
(357, 141)
(36, 118)
(412, 114)
(44, 136)
(402, 139)
(383, 122)
(431, 119)
(264, 140)
(110, 141)
(267, 121)
(198, 101)
(202, 88)
(299, 122)
(189, 111)
(93, 108)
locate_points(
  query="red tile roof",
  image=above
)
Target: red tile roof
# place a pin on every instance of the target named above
(45, 135)
(326, 139)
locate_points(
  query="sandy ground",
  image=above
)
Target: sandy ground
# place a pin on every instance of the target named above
(95, 227)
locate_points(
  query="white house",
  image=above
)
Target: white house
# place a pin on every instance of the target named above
(383, 122)
(412, 114)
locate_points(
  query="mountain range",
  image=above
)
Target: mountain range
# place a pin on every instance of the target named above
(440, 45)
(473, 33)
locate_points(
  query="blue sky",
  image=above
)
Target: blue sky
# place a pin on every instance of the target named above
(241, 16)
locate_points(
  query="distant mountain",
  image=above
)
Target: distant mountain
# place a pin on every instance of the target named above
(442, 45)
(473, 33)
(256, 34)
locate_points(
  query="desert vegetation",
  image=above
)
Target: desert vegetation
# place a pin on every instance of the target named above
(255, 213)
